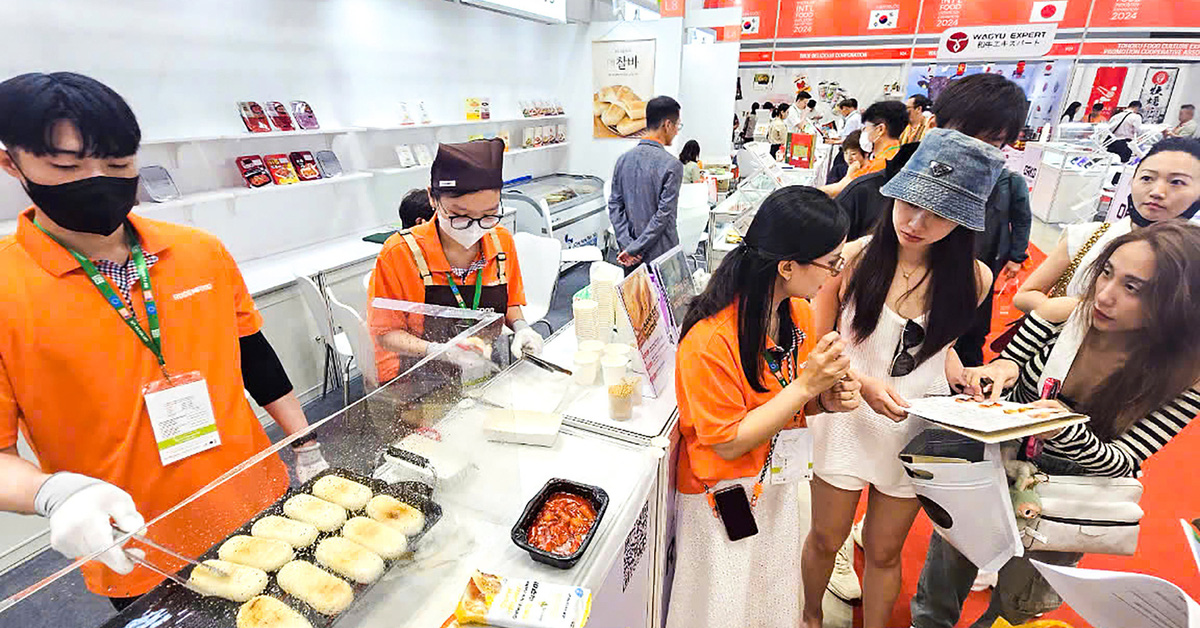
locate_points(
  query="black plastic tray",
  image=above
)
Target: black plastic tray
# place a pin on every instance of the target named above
(169, 604)
(520, 531)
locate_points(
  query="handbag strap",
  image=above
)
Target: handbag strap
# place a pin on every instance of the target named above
(1060, 287)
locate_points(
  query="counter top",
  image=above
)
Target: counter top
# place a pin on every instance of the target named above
(274, 271)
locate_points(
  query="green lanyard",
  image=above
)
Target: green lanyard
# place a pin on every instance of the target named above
(458, 295)
(777, 368)
(153, 339)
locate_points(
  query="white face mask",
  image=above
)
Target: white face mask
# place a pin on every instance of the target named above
(864, 140)
(465, 237)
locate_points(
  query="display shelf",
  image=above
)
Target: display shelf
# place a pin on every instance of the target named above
(425, 168)
(522, 151)
(274, 271)
(250, 136)
(239, 192)
(8, 227)
(438, 125)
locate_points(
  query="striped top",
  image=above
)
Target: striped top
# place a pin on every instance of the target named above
(1121, 457)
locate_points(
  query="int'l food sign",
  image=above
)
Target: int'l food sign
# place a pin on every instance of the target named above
(996, 42)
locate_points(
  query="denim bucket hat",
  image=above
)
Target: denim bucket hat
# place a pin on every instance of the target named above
(951, 175)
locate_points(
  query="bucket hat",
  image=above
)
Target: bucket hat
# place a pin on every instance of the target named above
(951, 175)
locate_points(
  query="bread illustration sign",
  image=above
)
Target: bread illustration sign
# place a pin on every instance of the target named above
(620, 110)
(622, 80)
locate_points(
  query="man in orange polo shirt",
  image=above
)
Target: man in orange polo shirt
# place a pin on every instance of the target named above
(110, 322)
(883, 122)
(461, 259)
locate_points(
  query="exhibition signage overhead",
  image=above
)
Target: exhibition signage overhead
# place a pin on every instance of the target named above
(539, 10)
(939, 15)
(977, 43)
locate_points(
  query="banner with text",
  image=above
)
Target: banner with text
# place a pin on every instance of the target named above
(996, 42)
(622, 82)
(1156, 93)
(938, 15)
(1146, 15)
(847, 18)
(1106, 88)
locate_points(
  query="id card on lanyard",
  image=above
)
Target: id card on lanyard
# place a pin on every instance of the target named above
(179, 407)
(791, 457)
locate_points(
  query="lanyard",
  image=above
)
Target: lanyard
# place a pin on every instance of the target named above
(153, 338)
(458, 295)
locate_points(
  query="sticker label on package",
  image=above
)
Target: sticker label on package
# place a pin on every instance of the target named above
(532, 604)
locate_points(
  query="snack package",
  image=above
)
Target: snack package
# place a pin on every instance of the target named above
(254, 117)
(305, 118)
(485, 108)
(405, 155)
(516, 603)
(525, 108)
(530, 133)
(472, 109)
(281, 169)
(505, 137)
(405, 118)
(424, 113)
(305, 165)
(424, 156)
(156, 185)
(558, 108)
(328, 161)
(254, 172)
(279, 116)
(562, 133)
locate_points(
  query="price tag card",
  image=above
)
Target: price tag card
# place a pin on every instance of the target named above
(182, 417)
(793, 457)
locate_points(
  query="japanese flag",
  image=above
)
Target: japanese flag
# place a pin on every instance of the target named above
(750, 25)
(1052, 11)
(884, 18)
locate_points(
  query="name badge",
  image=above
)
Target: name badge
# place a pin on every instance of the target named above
(182, 417)
(792, 460)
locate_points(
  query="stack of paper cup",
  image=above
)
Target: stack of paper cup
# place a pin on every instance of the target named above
(586, 319)
(604, 279)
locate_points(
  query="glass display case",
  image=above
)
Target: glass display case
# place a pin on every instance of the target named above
(569, 207)
(728, 221)
(437, 438)
(1069, 181)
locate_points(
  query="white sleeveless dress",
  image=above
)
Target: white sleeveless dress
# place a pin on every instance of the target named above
(863, 444)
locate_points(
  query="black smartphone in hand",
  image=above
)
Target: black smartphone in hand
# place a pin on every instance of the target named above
(733, 507)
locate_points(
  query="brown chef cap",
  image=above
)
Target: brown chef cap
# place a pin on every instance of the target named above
(468, 167)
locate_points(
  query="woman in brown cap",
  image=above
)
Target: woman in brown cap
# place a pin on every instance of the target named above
(463, 259)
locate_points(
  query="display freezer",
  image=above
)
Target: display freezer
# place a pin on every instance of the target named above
(569, 207)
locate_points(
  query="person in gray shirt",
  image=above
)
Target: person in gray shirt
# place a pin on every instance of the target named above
(645, 189)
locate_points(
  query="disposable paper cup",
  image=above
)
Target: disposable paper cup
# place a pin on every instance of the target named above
(615, 368)
(592, 346)
(586, 365)
(618, 349)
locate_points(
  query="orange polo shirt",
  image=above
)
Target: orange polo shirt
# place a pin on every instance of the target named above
(714, 397)
(72, 372)
(396, 277)
(879, 161)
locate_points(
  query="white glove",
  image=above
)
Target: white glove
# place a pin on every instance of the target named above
(309, 461)
(82, 512)
(525, 338)
(466, 359)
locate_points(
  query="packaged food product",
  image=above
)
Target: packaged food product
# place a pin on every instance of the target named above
(562, 524)
(562, 133)
(330, 166)
(405, 155)
(485, 108)
(424, 155)
(305, 165)
(504, 136)
(558, 108)
(525, 109)
(156, 184)
(530, 137)
(281, 169)
(254, 117)
(253, 170)
(423, 112)
(303, 113)
(405, 117)
(472, 109)
(279, 116)
(517, 603)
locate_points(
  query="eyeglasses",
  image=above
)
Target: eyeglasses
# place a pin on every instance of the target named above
(464, 222)
(904, 362)
(834, 269)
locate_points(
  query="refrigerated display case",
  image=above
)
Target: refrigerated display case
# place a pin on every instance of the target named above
(569, 207)
(422, 438)
(1069, 181)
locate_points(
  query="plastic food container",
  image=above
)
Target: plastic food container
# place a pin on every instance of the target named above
(520, 532)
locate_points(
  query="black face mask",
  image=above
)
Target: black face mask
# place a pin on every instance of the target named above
(96, 205)
(1142, 221)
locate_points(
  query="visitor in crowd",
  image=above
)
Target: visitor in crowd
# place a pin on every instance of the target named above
(852, 159)
(883, 122)
(798, 112)
(777, 132)
(86, 344)
(920, 118)
(1128, 356)
(851, 118)
(1097, 114)
(1071, 112)
(1187, 123)
(645, 189)
(908, 292)
(690, 157)
(812, 111)
(1165, 185)
(750, 367)
(415, 208)
(1125, 126)
(749, 124)
(847, 120)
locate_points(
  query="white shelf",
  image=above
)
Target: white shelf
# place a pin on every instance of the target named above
(231, 193)
(251, 136)
(8, 227)
(425, 168)
(436, 125)
(274, 271)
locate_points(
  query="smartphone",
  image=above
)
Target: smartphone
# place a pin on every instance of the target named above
(733, 507)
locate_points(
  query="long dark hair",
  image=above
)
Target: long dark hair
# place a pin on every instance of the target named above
(690, 152)
(1165, 360)
(1072, 109)
(953, 294)
(796, 223)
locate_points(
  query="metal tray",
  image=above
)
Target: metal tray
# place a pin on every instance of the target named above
(169, 604)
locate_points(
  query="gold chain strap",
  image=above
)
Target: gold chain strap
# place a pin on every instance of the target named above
(1064, 280)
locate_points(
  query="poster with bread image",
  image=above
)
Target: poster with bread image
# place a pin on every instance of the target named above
(640, 301)
(622, 82)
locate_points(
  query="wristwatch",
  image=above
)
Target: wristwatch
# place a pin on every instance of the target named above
(304, 440)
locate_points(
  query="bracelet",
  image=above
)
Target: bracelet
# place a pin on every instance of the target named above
(304, 440)
(821, 405)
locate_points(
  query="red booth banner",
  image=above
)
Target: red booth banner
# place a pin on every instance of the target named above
(1106, 88)
(847, 18)
(758, 19)
(1153, 49)
(1146, 15)
(939, 15)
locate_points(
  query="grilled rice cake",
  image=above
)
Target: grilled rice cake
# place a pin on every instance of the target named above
(241, 584)
(295, 533)
(349, 559)
(346, 493)
(326, 516)
(324, 592)
(252, 551)
(267, 612)
(388, 542)
(396, 514)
